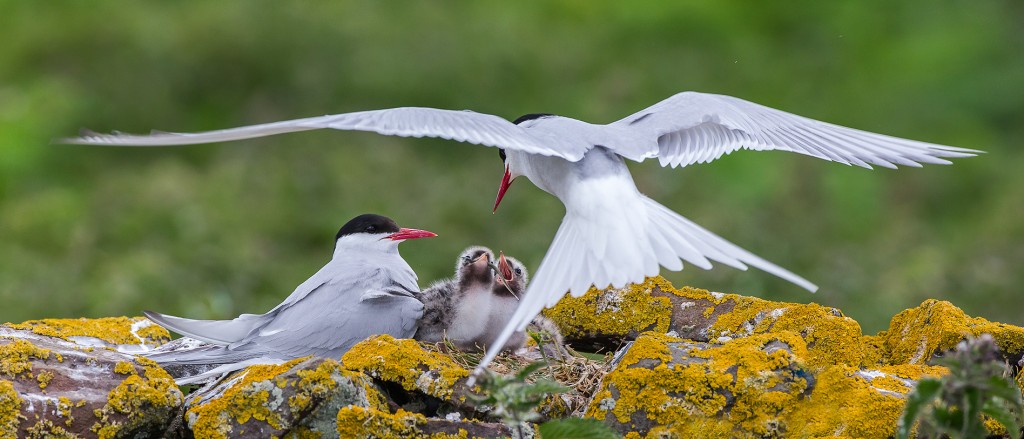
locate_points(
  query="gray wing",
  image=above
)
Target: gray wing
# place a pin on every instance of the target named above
(693, 127)
(333, 317)
(463, 126)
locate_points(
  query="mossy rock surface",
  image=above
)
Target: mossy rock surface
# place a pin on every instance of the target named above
(52, 387)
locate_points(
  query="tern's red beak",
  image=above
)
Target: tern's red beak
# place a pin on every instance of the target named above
(403, 234)
(504, 267)
(506, 181)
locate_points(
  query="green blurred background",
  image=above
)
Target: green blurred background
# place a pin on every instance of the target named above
(212, 231)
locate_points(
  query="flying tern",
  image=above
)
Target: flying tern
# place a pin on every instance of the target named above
(365, 289)
(611, 233)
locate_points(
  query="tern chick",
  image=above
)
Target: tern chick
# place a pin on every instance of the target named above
(365, 289)
(471, 308)
(445, 302)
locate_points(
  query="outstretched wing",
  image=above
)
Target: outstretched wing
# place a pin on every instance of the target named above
(463, 126)
(693, 127)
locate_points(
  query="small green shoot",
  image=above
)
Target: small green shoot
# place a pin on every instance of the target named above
(978, 384)
(515, 400)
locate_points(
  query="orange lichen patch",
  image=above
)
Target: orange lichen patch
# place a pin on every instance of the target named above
(854, 402)
(10, 409)
(831, 337)
(916, 334)
(143, 399)
(115, 330)
(250, 398)
(320, 382)
(16, 357)
(361, 422)
(756, 379)
(404, 361)
(614, 311)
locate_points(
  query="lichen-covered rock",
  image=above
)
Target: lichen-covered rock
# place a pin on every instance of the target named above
(406, 363)
(918, 334)
(52, 387)
(126, 334)
(312, 397)
(605, 319)
(300, 398)
(756, 386)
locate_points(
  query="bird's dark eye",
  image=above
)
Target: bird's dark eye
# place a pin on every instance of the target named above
(519, 271)
(501, 152)
(371, 229)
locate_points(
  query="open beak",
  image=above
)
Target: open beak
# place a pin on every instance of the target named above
(506, 181)
(504, 267)
(403, 234)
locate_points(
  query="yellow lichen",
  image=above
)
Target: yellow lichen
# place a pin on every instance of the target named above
(848, 401)
(124, 368)
(831, 337)
(46, 429)
(138, 397)
(64, 406)
(10, 409)
(685, 398)
(361, 422)
(115, 330)
(44, 379)
(614, 311)
(405, 362)
(319, 382)
(914, 335)
(246, 400)
(16, 357)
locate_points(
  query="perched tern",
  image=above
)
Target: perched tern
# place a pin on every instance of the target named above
(611, 233)
(366, 289)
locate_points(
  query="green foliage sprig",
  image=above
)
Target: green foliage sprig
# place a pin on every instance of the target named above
(515, 400)
(978, 384)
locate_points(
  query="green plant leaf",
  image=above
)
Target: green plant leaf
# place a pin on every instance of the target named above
(1002, 415)
(577, 428)
(920, 398)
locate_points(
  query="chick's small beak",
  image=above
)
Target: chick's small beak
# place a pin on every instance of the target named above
(506, 181)
(403, 234)
(482, 261)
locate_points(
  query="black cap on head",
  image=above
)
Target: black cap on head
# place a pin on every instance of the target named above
(531, 116)
(367, 223)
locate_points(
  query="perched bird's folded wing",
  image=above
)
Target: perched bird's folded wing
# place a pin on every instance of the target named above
(463, 126)
(693, 127)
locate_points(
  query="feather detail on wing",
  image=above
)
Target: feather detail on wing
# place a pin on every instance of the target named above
(462, 126)
(693, 127)
(623, 247)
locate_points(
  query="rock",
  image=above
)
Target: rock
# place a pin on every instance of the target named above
(313, 397)
(410, 368)
(126, 334)
(604, 320)
(917, 335)
(755, 386)
(52, 386)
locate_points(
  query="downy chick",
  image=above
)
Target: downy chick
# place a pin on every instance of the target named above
(445, 301)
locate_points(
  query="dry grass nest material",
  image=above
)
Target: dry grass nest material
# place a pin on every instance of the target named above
(580, 374)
